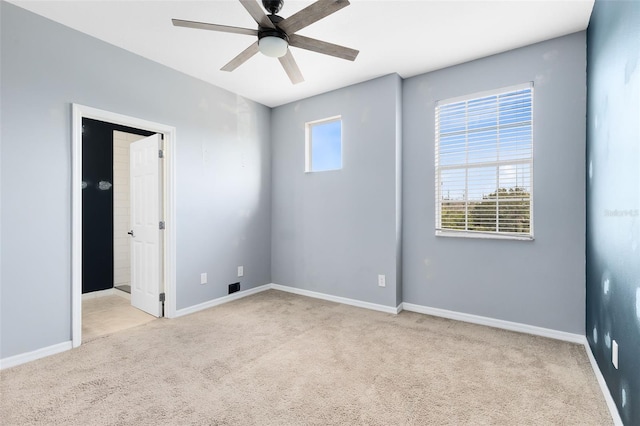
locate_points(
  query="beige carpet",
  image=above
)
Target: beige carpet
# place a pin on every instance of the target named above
(281, 359)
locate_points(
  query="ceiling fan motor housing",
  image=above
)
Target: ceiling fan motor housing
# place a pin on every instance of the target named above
(273, 32)
(273, 6)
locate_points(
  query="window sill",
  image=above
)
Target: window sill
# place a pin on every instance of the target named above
(322, 171)
(483, 235)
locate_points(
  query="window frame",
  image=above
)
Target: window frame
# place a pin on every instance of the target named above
(466, 233)
(308, 145)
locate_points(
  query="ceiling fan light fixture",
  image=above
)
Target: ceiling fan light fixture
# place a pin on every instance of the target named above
(273, 46)
(275, 33)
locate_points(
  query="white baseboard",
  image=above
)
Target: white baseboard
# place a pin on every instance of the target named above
(99, 293)
(337, 299)
(221, 300)
(12, 361)
(475, 319)
(613, 409)
(61, 347)
(492, 322)
(108, 292)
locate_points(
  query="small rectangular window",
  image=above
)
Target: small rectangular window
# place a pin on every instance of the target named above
(324, 145)
(484, 164)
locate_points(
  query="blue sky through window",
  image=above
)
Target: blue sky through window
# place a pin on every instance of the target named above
(326, 146)
(476, 138)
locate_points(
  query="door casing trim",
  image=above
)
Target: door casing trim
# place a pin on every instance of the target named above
(169, 252)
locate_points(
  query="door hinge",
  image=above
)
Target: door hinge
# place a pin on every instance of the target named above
(160, 154)
(162, 297)
(162, 224)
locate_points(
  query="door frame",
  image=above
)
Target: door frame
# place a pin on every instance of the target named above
(168, 187)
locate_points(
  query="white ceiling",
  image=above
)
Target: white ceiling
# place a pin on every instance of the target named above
(406, 37)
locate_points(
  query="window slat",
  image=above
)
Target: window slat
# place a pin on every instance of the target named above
(484, 163)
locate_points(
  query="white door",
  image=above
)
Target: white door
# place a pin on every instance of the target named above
(146, 241)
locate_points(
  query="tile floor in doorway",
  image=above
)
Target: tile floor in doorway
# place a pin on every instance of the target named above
(109, 314)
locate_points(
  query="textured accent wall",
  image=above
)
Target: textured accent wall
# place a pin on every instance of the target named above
(613, 199)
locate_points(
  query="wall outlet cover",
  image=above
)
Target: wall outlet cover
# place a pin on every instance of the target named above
(614, 354)
(382, 281)
(240, 271)
(203, 278)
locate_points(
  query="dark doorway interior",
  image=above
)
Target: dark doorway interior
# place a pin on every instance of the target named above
(97, 202)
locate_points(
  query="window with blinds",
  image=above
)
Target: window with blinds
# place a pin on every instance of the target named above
(484, 164)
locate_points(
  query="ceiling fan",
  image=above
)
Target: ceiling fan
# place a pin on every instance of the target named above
(275, 34)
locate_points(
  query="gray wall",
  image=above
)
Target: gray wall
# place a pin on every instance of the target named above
(250, 203)
(334, 232)
(613, 199)
(223, 205)
(538, 282)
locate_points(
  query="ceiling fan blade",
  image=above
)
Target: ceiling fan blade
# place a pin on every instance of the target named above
(310, 14)
(213, 27)
(322, 47)
(257, 13)
(291, 68)
(241, 58)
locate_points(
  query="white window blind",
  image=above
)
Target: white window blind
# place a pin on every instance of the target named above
(484, 164)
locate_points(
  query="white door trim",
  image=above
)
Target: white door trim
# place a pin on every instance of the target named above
(169, 259)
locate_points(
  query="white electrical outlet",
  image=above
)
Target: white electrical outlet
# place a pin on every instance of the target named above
(614, 354)
(203, 278)
(382, 281)
(240, 271)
